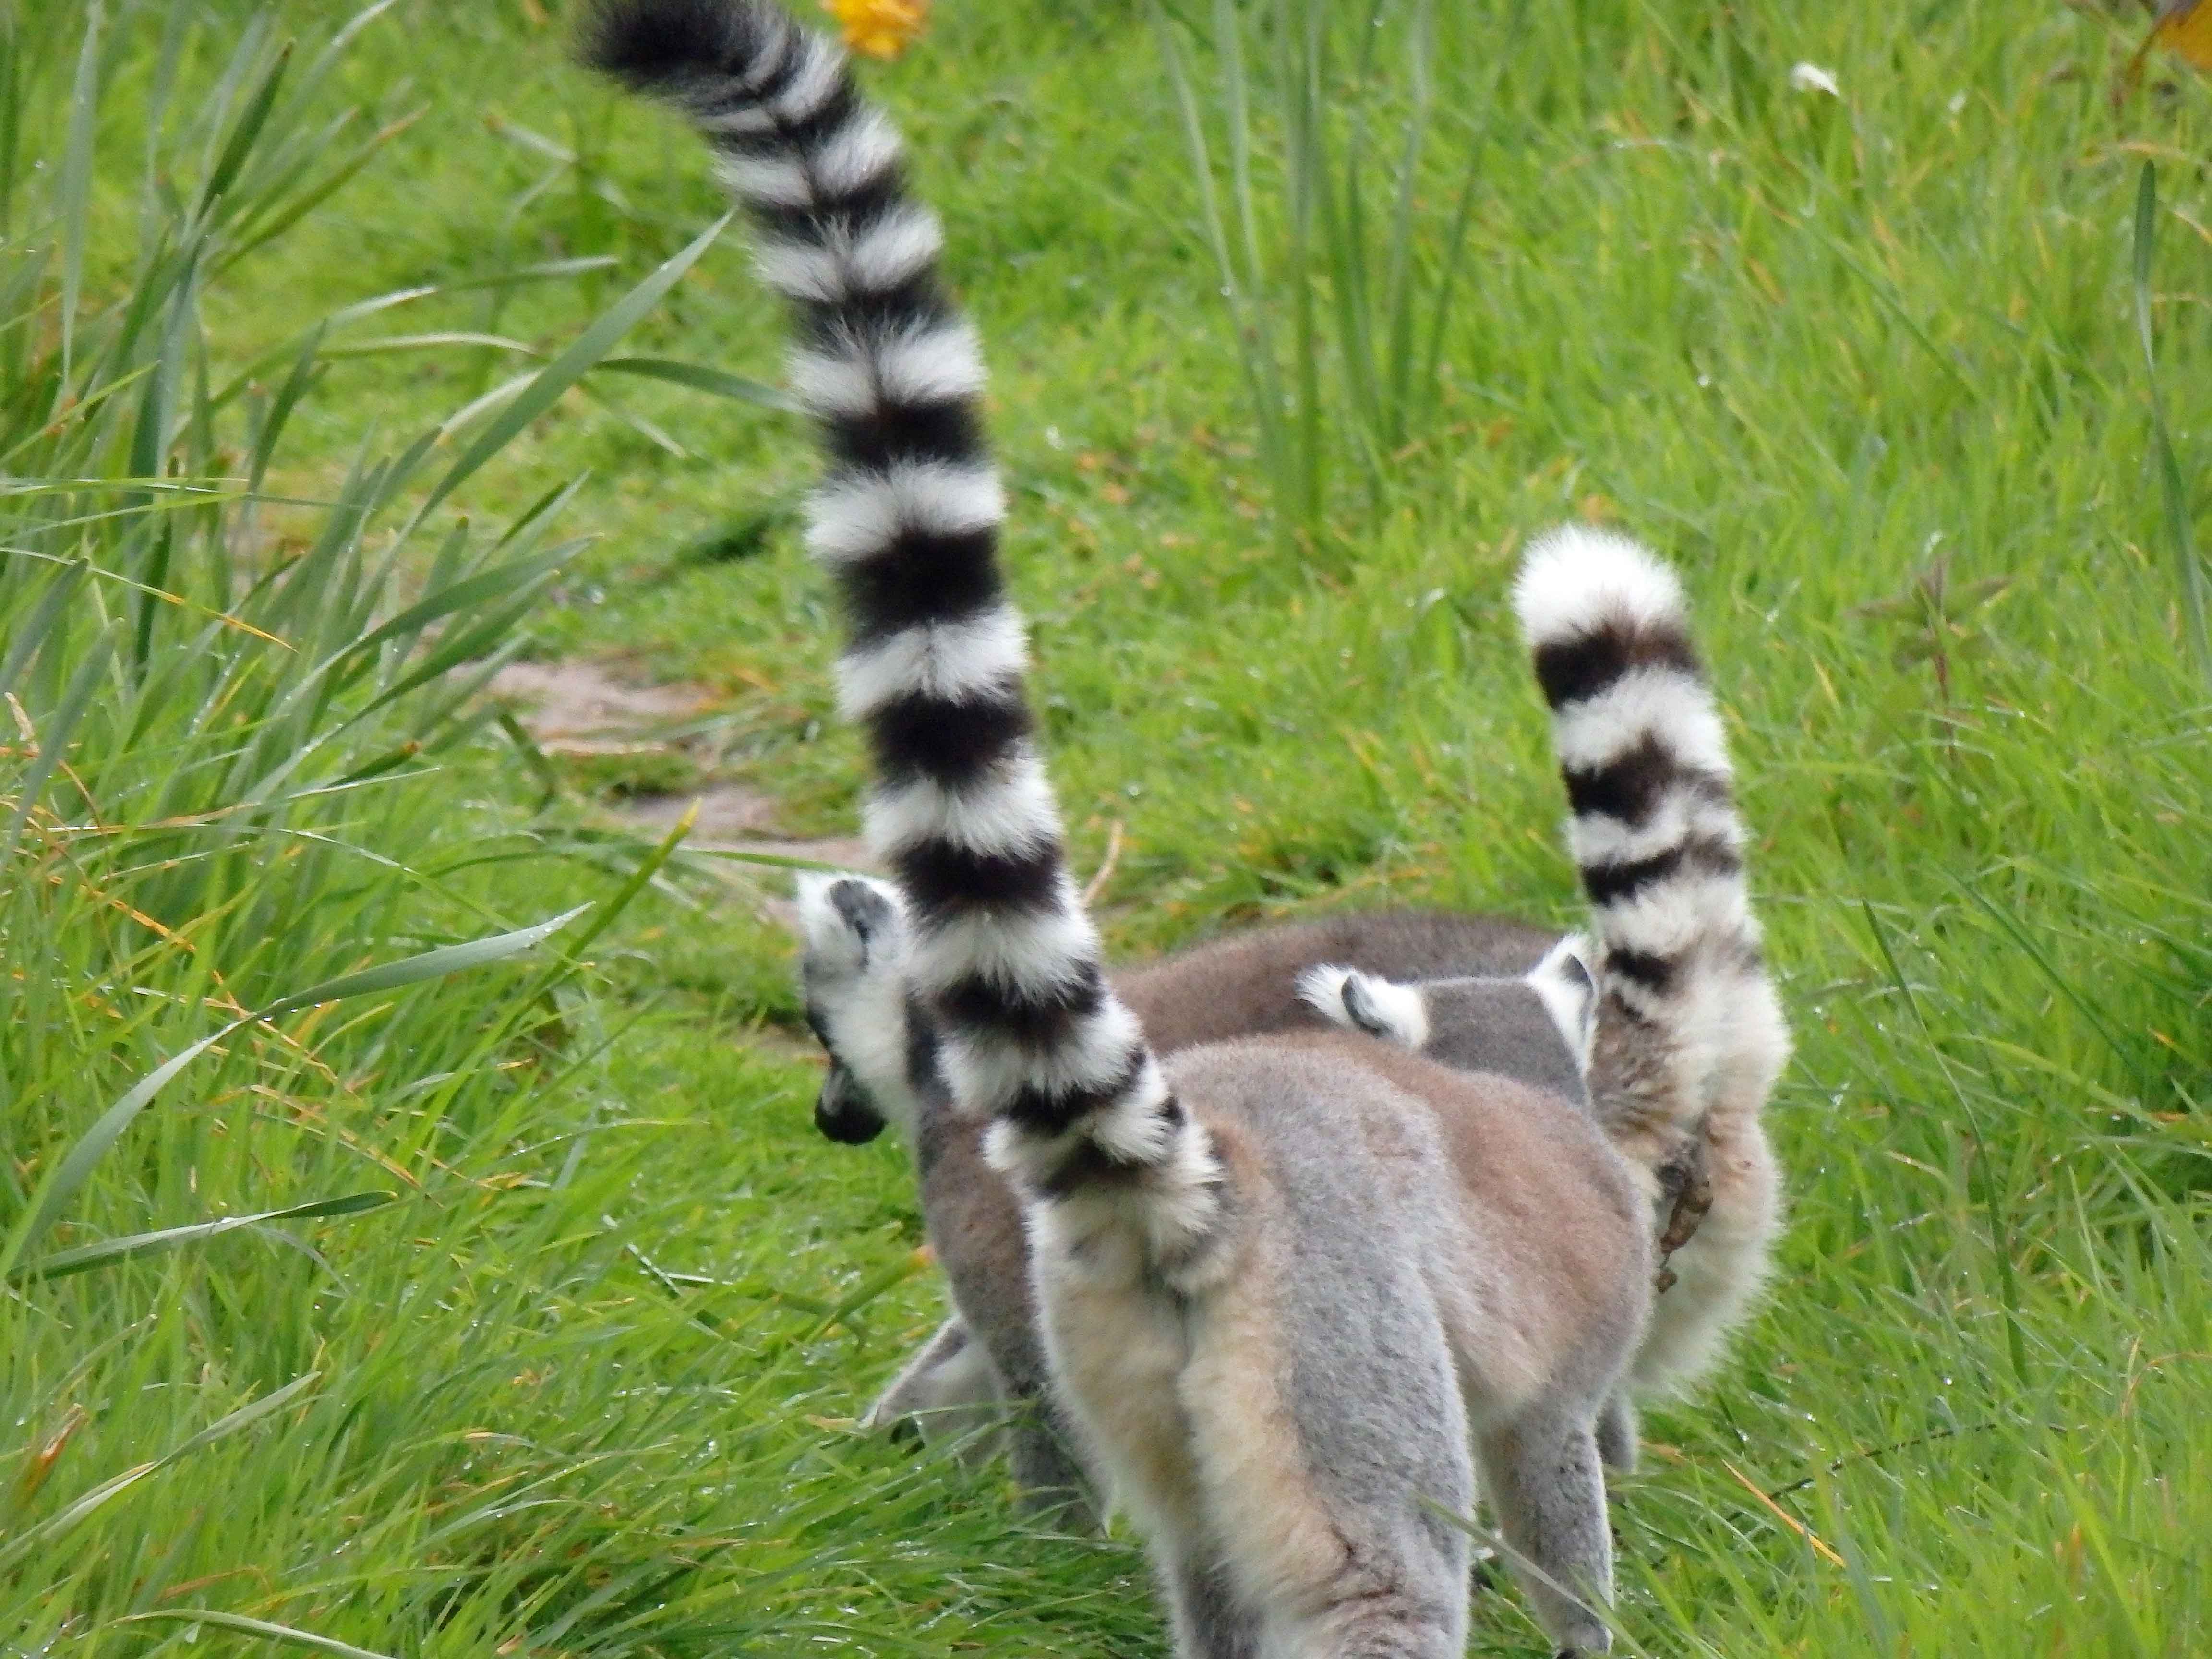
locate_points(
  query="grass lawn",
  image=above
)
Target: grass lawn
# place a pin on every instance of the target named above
(1866, 364)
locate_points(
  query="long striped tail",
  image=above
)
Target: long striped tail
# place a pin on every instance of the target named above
(906, 521)
(1690, 1024)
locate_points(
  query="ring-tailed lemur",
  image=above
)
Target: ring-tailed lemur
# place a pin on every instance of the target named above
(882, 1051)
(1690, 1034)
(1273, 1307)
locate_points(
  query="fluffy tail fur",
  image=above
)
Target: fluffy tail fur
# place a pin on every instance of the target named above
(906, 521)
(1654, 831)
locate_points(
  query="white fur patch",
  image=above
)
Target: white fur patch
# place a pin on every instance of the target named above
(951, 661)
(1133, 1129)
(985, 1072)
(834, 383)
(1663, 702)
(741, 123)
(866, 1017)
(1671, 918)
(912, 366)
(1020, 950)
(895, 247)
(772, 181)
(827, 269)
(1009, 813)
(784, 37)
(1749, 1041)
(856, 154)
(1367, 1002)
(1320, 988)
(800, 270)
(857, 989)
(1568, 989)
(859, 514)
(813, 81)
(1184, 1203)
(1574, 577)
(830, 942)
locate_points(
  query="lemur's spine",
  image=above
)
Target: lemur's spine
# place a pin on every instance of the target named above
(1652, 826)
(907, 521)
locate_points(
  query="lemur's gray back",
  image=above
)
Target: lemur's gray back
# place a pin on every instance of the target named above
(1241, 985)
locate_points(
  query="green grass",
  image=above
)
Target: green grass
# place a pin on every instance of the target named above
(1867, 369)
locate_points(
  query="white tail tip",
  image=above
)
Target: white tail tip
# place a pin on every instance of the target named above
(1574, 576)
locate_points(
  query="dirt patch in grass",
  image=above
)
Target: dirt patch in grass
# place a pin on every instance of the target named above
(630, 747)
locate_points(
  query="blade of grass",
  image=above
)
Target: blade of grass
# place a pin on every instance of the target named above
(85, 1256)
(564, 371)
(700, 378)
(2189, 572)
(285, 1635)
(76, 177)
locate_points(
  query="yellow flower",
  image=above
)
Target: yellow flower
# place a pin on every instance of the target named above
(2185, 28)
(879, 28)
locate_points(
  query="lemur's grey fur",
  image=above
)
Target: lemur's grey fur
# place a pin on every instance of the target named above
(883, 1066)
(1243, 984)
(1690, 1035)
(1283, 1281)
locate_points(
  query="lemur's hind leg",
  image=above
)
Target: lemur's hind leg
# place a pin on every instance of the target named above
(1053, 1489)
(1617, 1434)
(1209, 1621)
(951, 1390)
(1540, 1474)
(948, 1373)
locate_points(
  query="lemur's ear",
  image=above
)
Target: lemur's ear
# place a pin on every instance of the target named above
(1564, 980)
(1367, 1002)
(845, 920)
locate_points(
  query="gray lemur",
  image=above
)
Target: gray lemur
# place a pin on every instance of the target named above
(1294, 1288)
(883, 1066)
(1690, 1035)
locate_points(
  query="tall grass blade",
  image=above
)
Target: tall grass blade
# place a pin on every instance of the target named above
(700, 378)
(2189, 570)
(283, 1635)
(244, 133)
(76, 177)
(83, 1257)
(536, 395)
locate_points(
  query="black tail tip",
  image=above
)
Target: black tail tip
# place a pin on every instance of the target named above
(647, 44)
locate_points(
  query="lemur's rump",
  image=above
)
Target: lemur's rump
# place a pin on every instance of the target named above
(1689, 1033)
(882, 1051)
(1272, 1308)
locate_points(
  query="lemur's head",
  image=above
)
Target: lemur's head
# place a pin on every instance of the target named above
(851, 971)
(1536, 1028)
